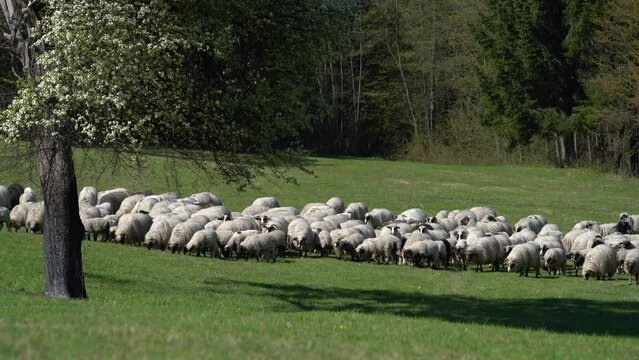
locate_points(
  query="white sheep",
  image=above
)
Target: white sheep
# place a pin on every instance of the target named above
(530, 222)
(265, 245)
(88, 197)
(569, 239)
(127, 205)
(336, 203)
(90, 212)
(484, 251)
(182, 233)
(631, 265)
(5, 218)
(417, 252)
(301, 236)
(27, 196)
(382, 249)
(357, 210)
(490, 225)
(347, 244)
(268, 202)
(378, 217)
(160, 232)
(234, 242)
(483, 211)
(18, 216)
(414, 215)
(253, 210)
(600, 261)
(446, 224)
(523, 257)
(325, 242)
(465, 218)
(206, 199)
(35, 218)
(202, 241)
(555, 261)
(587, 225)
(96, 226)
(132, 228)
(114, 196)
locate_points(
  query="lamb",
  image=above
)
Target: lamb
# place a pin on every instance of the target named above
(301, 237)
(347, 244)
(414, 215)
(96, 226)
(631, 265)
(336, 203)
(265, 245)
(35, 218)
(555, 261)
(378, 217)
(5, 218)
(357, 210)
(18, 216)
(600, 261)
(5, 197)
(268, 202)
(27, 196)
(15, 190)
(523, 257)
(202, 241)
(382, 249)
(160, 232)
(127, 205)
(236, 239)
(182, 233)
(132, 228)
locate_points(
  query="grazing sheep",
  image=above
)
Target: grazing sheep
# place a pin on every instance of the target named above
(145, 205)
(417, 252)
(382, 249)
(319, 212)
(325, 242)
(490, 225)
(96, 226)
(569, 239)
(446, 224)
(622, 227)
(182, 233)
(323, 225)
(114, 196)
(523, 236)
(27, 196)
(224, 236)
(236, 239)
(265, 245)
(202, 241)
(157, 211)
(15, 191)
(336, 203)
(35, 218)
(483, 211)
(278, 223)
(5, 197)
(132, 228)
(587, 225)
(523, 257)
(548, 242)
(268, 202)
(414, 215)
(127, 205)
(484, 251)
(219, 213)
(214, 225)
(160, 232)
(301, 237)
(357, 210)
(465, 218)
(378, 217)
(600, 261)
(631, 265)
(531, 222)
(253, 210)
(347, 244)
(5, 218)
(206, 199)
(105, 209)
(88, 197)
(555, 261)
(18, 216)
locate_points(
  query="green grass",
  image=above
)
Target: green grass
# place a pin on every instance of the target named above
(152, 304)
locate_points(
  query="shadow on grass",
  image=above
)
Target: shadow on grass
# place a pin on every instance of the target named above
(617, 318)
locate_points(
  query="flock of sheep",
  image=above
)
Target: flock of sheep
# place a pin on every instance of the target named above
(200, 223)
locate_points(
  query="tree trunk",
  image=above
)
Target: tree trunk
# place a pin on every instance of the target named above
(63, 230)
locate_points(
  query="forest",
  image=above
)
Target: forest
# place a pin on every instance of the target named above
(445, 81)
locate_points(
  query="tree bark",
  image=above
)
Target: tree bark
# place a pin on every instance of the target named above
(63, 230)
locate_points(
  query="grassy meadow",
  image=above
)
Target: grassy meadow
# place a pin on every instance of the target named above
(153, 304)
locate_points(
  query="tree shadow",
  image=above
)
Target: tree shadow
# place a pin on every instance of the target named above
(580, 316)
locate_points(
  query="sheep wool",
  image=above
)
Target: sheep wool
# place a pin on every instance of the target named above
(600, 262)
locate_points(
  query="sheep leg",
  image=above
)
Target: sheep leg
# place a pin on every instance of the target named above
(637, 279)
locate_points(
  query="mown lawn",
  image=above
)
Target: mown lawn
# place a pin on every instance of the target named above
(151, 304)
